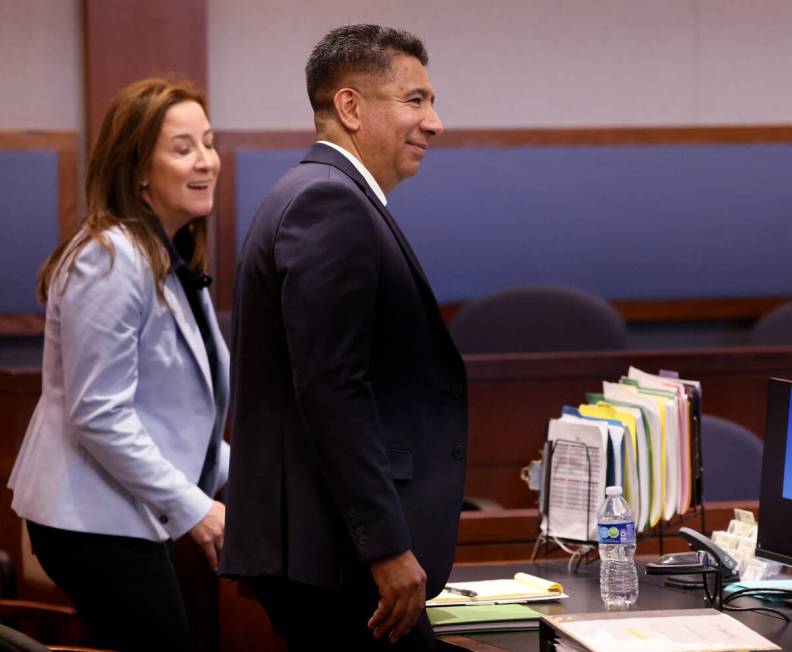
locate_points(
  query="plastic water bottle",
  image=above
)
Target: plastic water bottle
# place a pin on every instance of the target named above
(618, 577)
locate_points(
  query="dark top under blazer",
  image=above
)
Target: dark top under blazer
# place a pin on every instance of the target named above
(349, 397)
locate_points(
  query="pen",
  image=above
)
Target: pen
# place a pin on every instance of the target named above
(466, 592)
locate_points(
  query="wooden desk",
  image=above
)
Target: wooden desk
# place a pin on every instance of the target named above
(509, 534)
(583, 591)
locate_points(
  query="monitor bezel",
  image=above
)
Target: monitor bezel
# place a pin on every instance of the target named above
(772, 504)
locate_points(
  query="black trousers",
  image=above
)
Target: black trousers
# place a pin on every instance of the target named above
(125, 589)
(317, 618)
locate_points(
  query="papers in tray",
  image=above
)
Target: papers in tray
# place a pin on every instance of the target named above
(523, 588)
(483, 618)
(642, 433)
(577, 471)
(690, 630)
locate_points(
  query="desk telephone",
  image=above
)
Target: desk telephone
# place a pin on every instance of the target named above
(707, 557)
(693, 569)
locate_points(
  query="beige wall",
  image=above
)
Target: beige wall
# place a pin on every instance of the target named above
(504, 63)
(40, 65)
(525, 63)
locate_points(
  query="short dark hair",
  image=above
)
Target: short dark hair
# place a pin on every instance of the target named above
(362, 49)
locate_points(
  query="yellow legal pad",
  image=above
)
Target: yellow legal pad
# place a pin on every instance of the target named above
(522, 588)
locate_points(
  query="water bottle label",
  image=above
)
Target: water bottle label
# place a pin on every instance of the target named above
(616, 532)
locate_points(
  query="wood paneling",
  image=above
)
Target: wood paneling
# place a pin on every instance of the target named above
(638, 311)
(614, 136)
(242, 620)
(512, 397)
(509, 534)
(667, 310)
(126, 41)
(19, 392)
(486, 536)
(64, 143)
(21, 324)
(577, 137)
(228, 143)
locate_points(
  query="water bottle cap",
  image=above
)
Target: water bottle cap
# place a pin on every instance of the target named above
(613, 491)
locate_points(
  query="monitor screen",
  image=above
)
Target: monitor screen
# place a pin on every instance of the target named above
(774, 540)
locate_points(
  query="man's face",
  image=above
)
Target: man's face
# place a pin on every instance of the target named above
(397, 121)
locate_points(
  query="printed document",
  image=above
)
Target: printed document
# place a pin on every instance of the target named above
(577, 478)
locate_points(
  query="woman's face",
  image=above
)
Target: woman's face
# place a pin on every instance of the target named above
(184, 167)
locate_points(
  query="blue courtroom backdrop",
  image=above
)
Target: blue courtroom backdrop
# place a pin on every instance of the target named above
(622, 222)
(29, 188)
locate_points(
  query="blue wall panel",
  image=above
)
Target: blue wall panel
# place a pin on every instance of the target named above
(623, 222)
(29, 191)
(256, 172)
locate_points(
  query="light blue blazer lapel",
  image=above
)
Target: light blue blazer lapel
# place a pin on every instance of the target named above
(182, 314)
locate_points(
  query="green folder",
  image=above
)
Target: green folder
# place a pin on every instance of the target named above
(483, 617)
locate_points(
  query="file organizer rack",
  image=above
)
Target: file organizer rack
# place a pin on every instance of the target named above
(585, 547)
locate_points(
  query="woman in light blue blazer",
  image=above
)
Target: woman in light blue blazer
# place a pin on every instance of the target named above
(124, 452)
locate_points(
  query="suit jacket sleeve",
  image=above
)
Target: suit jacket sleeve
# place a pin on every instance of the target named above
(328, 260)
(102, 310)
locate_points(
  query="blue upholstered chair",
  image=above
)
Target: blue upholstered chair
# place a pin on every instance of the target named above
(774, 328)
(732, 459)
(538, 319)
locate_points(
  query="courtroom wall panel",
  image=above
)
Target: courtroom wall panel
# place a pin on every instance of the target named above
(637, 216)
(38, 182)
(126, 41)
(41, 65)
(524, 63)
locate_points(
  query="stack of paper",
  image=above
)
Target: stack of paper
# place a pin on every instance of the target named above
(523, 588)
(642, 433)
(692, 630)
(482, 618)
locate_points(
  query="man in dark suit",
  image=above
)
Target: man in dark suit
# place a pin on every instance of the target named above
(349, 397)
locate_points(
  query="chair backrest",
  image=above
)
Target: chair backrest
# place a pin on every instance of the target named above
(13, 641)
(538, 319)
(8, 585)
(731, 458)
(774, 328)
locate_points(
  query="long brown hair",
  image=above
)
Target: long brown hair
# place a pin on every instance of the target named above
(113, 191)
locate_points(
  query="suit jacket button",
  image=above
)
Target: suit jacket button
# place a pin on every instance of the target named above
(457, 391)
(163, 519)
(458, 452)
(362, 540)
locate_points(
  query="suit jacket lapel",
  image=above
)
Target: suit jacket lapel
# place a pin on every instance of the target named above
(397, 232)
(180, 308)
(322, 154)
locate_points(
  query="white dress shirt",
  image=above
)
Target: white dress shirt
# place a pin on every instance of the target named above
(370, 180)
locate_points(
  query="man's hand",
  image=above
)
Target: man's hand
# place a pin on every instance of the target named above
(402, 587)
(209, 533)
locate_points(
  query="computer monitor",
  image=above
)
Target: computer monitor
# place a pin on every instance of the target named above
(774, 539)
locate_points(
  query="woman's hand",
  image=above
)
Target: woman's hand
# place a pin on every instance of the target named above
(209, 533)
